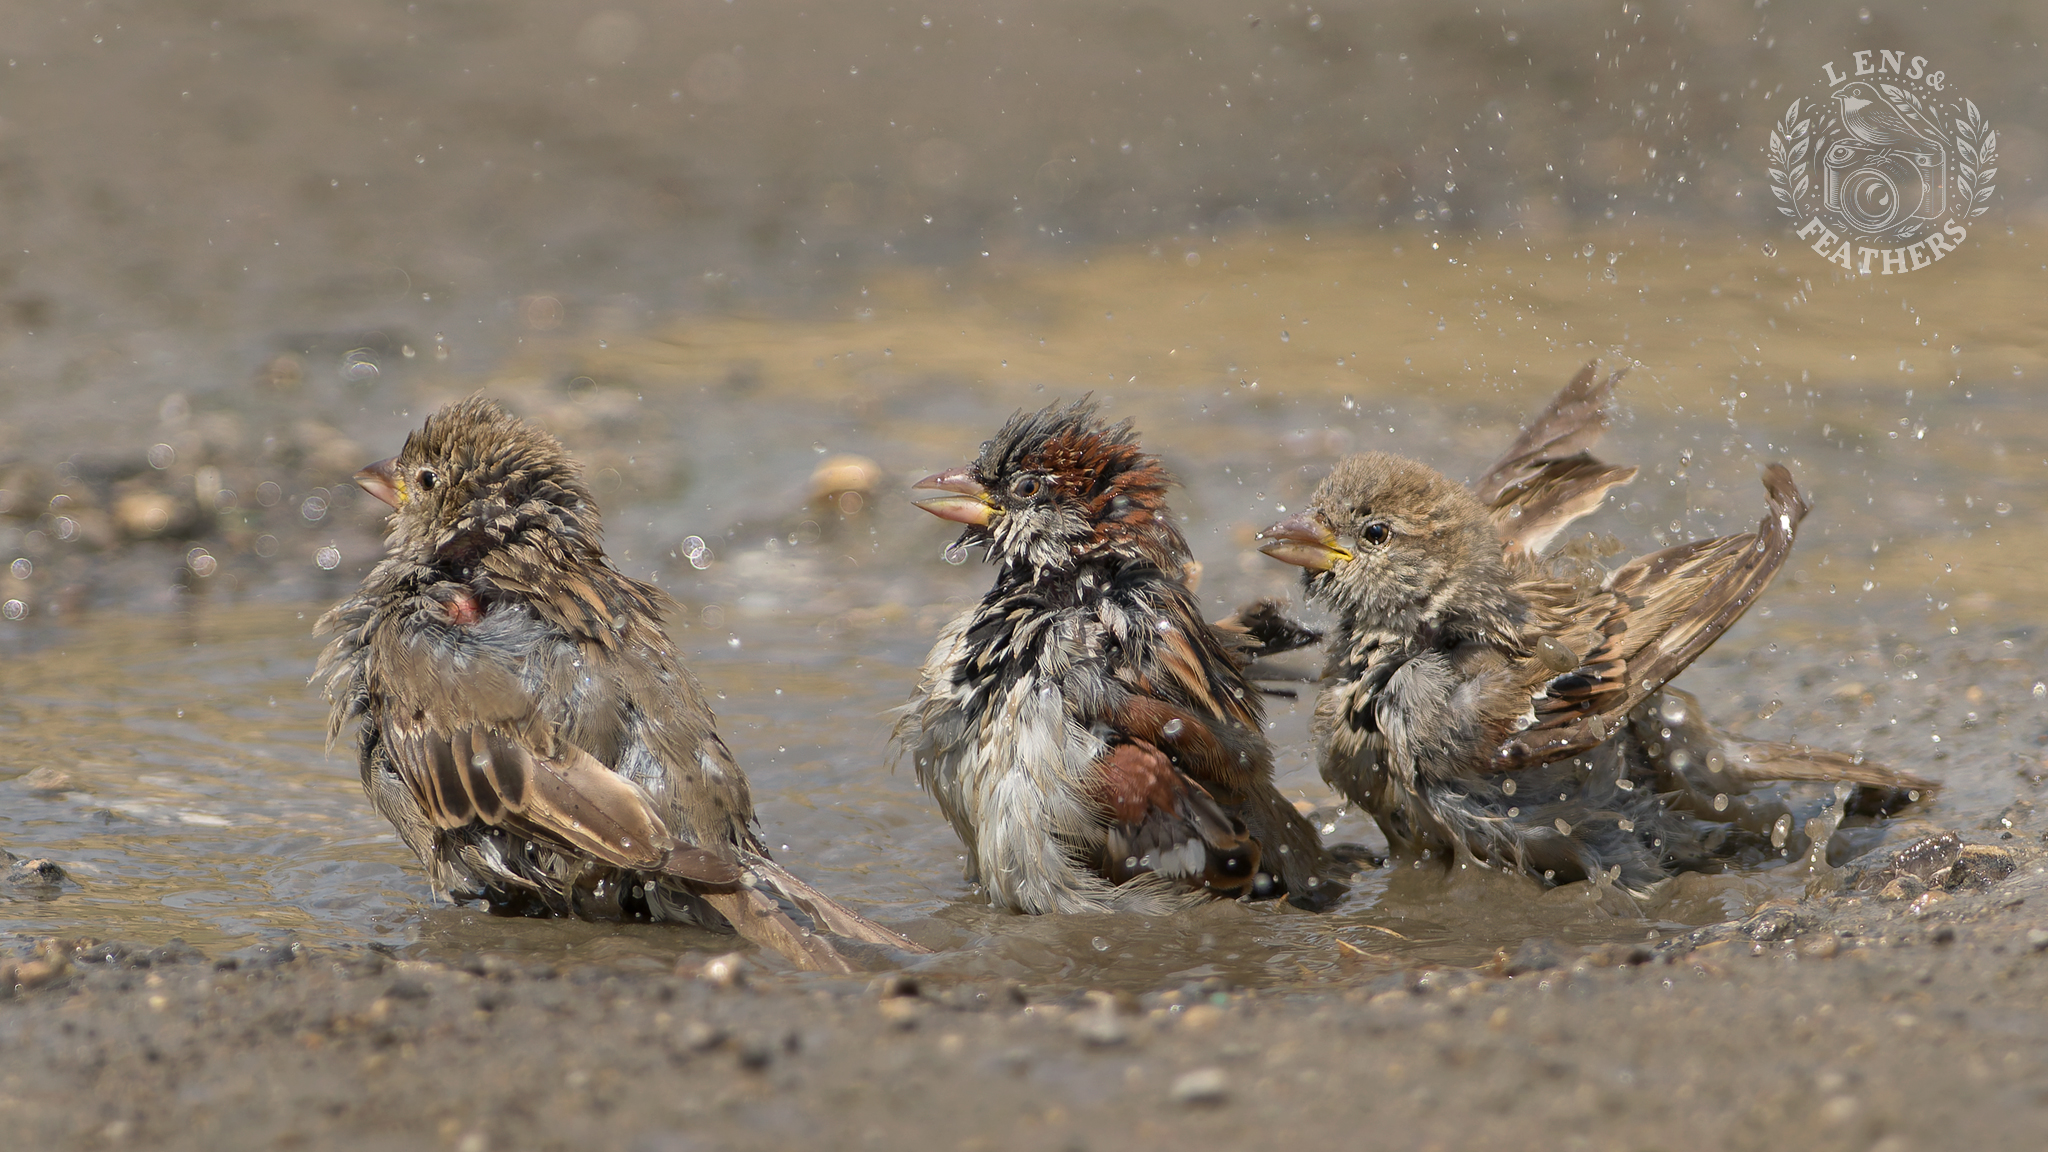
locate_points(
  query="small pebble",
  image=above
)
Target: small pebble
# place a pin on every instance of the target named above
(1200, 1086)
(1101, 1029)
(2037, 939)
(901, 1011)
(47, 780)
(727, 971)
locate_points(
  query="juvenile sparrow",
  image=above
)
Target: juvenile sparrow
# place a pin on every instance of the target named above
(525, 723)
(1483, 703)
(1092, 740)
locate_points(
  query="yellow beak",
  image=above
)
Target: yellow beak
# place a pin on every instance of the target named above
(1303, 540)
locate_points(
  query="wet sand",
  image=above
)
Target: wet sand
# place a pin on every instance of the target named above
(1858, 1023)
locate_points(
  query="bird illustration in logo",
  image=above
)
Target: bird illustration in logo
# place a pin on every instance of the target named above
(1874, 120)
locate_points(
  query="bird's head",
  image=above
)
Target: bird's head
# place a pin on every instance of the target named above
(475, 478)
(1056, 485)
(1388, 542)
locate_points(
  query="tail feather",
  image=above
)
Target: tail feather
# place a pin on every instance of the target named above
(826, 912)
(1765, 760)
(1294, 853)
(755, 915)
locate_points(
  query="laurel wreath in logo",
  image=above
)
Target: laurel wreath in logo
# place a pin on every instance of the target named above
(1979, 148)
(1791, 141)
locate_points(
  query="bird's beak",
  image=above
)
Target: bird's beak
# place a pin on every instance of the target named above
(381, 480)
(968, 505)
(1303, 540)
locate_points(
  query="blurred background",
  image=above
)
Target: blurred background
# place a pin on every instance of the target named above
(763, 265)
(292, 218)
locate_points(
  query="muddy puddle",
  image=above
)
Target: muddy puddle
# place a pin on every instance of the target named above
(161, 742)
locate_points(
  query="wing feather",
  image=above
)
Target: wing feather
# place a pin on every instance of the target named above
(1572, 421)
(1661, 612)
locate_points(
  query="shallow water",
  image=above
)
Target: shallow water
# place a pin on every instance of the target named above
(196, 802)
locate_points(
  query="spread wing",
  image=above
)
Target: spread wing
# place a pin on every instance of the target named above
(1572, 421)
(1533, 509)
(1547, 479)
(1656, 615)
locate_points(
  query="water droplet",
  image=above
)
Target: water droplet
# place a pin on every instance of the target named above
(1781, 829)
(1099, 944)
(23, 568)
(162, 456)
(328, 558)
(1172, 729)
(1720, 801)
(13, 609)
(1563, 829)
(1625, 825)
(1507, 788)
(1672, 709)
(955, 554)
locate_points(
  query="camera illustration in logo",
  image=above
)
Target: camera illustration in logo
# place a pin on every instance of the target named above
(1887, 171)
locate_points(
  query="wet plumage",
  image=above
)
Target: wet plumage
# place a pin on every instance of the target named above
(1484, 704)
(524, 721)
(1090, 737)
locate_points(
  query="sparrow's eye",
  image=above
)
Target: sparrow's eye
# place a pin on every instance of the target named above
(1027, 487)
(428, 478)
(1375, 533)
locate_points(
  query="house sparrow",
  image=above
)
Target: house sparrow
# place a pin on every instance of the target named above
(1093, 741)
(526, 724)
(1481, 702)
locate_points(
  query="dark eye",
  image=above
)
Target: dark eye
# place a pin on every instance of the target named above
(1026, 487)
(428, 479)
(1375, 533)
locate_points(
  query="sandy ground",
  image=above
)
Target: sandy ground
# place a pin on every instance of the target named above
(1906, 1017)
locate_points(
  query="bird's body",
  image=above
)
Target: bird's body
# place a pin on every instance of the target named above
(1482, 704)
(1093, 740)
(524, 721)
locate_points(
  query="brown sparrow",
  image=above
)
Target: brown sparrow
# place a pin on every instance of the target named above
(1483, 703)
(1093, 741)
(523, 719)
